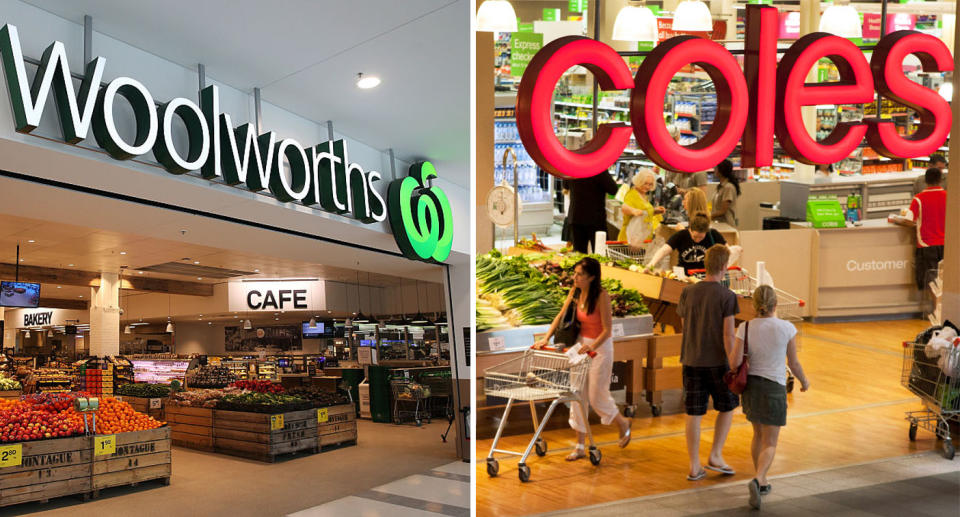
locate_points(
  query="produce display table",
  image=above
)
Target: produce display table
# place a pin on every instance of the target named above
(82, 465)
(148, 406)
(10, 394)
(658, 377)
(262, 436)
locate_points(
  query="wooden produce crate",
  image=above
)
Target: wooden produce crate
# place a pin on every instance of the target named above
(45, 469)
(336, 425)
(11, 394)
(148, 406)
(263, 436)
(130, 458)
(190, 427)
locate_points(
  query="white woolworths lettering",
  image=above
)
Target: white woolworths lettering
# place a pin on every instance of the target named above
(217, 149)
(875, 265)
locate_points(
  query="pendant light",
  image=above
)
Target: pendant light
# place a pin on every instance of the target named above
(247, 325)
(169, 329)
(692, 16)
(496, 16)
(313, 322)
(128, 330)
(26, 334)
(841, 20)
(359, 318)
(635, 23)
(50, 333)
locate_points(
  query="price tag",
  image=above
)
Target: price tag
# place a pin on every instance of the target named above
(276, 422)
(11, 455)
(105, 445)
(496, 344)
(322, 415)
(155, 403)
(617, 330)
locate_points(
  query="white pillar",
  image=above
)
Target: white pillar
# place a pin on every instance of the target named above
(105, 316)
(456, 274)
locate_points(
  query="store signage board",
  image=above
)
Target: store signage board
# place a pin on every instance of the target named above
(321, 176)
(44, 317)
(768, 104)
(276, 295)
(523, 46)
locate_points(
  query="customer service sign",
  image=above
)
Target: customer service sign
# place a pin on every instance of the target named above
(321, 176)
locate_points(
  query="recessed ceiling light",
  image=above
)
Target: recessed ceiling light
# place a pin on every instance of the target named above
(59, 287)
(21, 260)
(201, 315)
(196, 261)
(69, 265)
(123, 252)
(365, 82)
(256, 270)
(199, 278)
(81, 296)
(139, 272)
(31, 241)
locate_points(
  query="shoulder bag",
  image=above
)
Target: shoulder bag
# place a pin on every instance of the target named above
(736, 379)
(568, 331)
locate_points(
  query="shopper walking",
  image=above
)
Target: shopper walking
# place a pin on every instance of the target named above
(707, 312)
(725, 199)
(929, 210)
(588, 213)
(769, 342)
(594, 312)
(636, 204)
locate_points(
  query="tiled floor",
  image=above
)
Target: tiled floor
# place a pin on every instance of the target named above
(444, 490)
(918, 485)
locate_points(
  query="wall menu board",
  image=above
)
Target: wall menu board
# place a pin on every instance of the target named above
(159, 371)
(281, 338)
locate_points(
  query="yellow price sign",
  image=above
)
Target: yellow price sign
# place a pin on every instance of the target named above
(11, 455)
(105, 445)
(322, 415)
(276, 422)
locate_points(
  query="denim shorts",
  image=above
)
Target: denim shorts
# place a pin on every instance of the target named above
(700, 384)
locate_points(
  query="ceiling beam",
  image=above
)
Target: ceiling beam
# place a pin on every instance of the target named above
(56, 303)
(46, 275)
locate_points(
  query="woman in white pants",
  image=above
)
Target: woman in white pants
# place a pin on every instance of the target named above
(595, 314)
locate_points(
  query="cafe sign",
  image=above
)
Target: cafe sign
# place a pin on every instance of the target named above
(754, 104)
(276, 295)
(320, 176)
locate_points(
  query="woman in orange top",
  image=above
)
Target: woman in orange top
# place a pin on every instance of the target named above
(595, 314)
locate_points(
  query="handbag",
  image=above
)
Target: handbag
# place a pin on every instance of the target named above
(736, 379)
(568, 331)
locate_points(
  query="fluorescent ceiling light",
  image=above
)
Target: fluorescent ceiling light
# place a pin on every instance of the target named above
(496, 16)
(365, 82)
(635, 24)
(692, 16)
(841, 20)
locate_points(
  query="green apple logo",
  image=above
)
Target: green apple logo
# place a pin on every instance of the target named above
(420, 215)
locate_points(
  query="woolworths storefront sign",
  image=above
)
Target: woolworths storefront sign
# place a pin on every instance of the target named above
(321, 176)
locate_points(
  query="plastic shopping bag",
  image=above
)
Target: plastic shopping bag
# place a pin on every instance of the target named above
(638, 231)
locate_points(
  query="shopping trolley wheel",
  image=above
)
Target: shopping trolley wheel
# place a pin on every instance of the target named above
(913, 432)
(419, 422)
(948, 450)
(524, 472)
(629, 411)
(493, 467)
(656, 410)
(595, 456)
(541, 446)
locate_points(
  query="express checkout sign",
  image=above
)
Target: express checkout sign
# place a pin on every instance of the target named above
(753, 105)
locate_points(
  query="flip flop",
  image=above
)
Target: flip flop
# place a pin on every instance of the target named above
(625, 439)
(755, 499)
(725, 469)
(700, 475)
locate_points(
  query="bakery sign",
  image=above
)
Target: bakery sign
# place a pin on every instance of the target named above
(276, 295)
(754, 104)
(320, 176)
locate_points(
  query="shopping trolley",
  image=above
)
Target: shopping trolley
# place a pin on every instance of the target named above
(619, 250)
(537, 375)
(409, 401)
(935, 379)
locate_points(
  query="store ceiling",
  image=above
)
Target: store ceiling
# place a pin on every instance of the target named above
(305, 56)
(79, 248)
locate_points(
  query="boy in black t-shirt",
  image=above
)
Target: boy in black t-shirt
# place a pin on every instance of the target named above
(691, 244)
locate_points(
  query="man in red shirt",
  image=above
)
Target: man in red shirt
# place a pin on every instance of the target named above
(929, 209)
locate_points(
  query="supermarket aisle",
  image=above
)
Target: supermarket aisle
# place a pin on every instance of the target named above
(444, 490)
